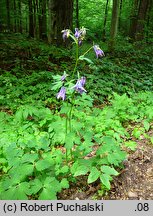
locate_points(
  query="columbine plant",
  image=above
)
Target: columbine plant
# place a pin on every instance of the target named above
(67, 88)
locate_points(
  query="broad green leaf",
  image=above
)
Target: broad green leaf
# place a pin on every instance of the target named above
(64, 183)
(21, 190)
(9, 194)
(81, 170)
(43, 164)
(3, 161)
(29, 158)
(64, 169)
(94, 175)
(52, 183)
(109, 170)
(35, 186)
(17, 192)
(47, 194)
(19, 173)
(69, 140)
(105, 179)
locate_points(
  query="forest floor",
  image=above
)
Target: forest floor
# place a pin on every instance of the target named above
(135, 182)
(29, 67)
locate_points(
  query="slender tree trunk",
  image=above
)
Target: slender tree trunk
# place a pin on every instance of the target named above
(15, 28)
(61, 16)
(120, 14)
(141, 19)
(20, 16)
(31, 27)
(49, 20)
(44, 21)
(114, 24)
(34, 17)
(105, 20)
(77, 13)
(8, 14)
(133, 19)
(148, 19)
(40, 18)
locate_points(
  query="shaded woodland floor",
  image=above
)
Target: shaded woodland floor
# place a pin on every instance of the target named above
(26, 72)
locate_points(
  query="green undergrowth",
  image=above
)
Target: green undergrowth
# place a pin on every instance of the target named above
(27, 67)
(33, 160)
(38, 158)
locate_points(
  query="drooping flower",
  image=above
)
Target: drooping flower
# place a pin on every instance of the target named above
(63, 77)
(66, 33)
(79, 86)
(80, 34)
(77, 33)
(98, 51)
(61, 93)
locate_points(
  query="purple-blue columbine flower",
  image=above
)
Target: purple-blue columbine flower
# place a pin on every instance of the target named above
(79, 86)
(63, 77)
(66, 33)
(61, 93)
(98, 51)
(77, 33)
(80, 34)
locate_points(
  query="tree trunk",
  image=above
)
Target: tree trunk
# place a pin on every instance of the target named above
(120, 14)
(8, 14)
(141, 19)
(133, 19)
(148, 19)
(105, 20)
(77, 13)
(44, 21)
(61, 16)
(14, 27)
(114, 24)
(20, 16)
(31, 27)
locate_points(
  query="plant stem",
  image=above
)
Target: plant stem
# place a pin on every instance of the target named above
(77, 59)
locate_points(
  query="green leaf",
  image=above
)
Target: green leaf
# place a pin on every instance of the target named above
(52, 183)
(105, 179)
(17, 192)
(69, 140)
(43, 164)
(131, 144)
(86, 59)
(35, 186)
(109, 170)
(64, 183)
(64, 169)
(3, 161)
(19, 173)
(47, 194)
(57, 85)
(146, 125)
(81, 170)
(94, 175)
(29, 158)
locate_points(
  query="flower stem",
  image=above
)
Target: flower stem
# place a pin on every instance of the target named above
(77, 59)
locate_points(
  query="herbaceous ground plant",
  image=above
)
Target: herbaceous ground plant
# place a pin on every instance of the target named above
(79, 135)
(69, 90)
